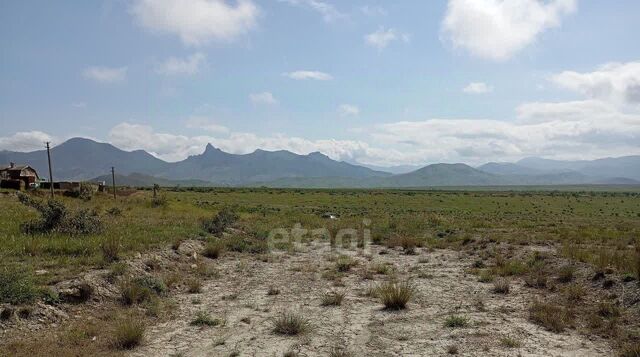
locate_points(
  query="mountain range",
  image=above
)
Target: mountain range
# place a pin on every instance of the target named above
(84, 159)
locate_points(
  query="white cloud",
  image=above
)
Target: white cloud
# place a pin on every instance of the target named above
(346, 110)
(497, 29)
(477, 88)
(182, 66)
(615, 82)
(199, 122)
(25, 141)
(383, 37)
(79, 105)
(105, 74)
(197, 22)
(373, 11)
(173, 147)
(329, 12)
(265, 98)
(303, 75)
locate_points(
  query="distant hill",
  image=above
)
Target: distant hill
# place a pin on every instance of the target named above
(84, 159)
(626, 166)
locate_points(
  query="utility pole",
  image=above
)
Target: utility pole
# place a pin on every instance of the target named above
(113, 178)
(50, 172)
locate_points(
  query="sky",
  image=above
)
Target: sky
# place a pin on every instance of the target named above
(407, 82)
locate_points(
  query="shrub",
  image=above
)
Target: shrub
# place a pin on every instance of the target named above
(159, 201)
(213, 249)
(246, 243)
(16, 287)
(501, 286)
(565, 274)
(631, 350)
(395, 295)
(454, 321)
(536, 279)
(290, 324)
(273, 291)
(575, 292)
(552, 317)
(54, 217)
(332, 298)
(225, 218)
(203, 319)
(128, 333)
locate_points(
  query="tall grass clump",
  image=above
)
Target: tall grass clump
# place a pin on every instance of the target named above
(224, 219)
(128, 333)
(395, 295)
(552, 317)
(290, 324)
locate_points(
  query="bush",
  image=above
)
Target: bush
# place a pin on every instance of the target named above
(225, 218)
(16, 287)
(290, 323)
(395, 295)
(55, 217)
(128, 333)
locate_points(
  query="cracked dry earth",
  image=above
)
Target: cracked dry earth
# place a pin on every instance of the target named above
(239, 296)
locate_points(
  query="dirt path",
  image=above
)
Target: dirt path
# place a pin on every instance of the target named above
(239, 296)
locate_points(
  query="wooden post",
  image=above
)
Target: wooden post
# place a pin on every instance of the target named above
(50, 171)
(113, 178)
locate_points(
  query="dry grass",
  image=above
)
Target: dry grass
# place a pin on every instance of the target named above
(332, 298)
(213, 250)
(552, 317)
(290, 324)
(395, 295)
(340, 352)
(128, 333)
(565, 274)
(501, 286)
(194, 286)
(344, 263)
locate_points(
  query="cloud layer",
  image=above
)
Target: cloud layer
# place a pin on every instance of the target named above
(197, 22)
(383, 37)
(303, 75)
(498, 29)
(182, 66)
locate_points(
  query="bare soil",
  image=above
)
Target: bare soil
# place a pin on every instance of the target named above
(239, 295)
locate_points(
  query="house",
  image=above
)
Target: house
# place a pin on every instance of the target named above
(18, 176)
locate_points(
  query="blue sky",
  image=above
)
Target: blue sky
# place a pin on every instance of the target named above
(376, 82)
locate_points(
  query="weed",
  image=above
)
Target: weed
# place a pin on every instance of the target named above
(203, 319)
(344, 263)
(110, 250)
(290, 323)
(455, 321)
(575, 292)
(510, 342)
(395, 295)
(486, 276)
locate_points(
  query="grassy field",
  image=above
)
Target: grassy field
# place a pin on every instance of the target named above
(593, 225)
(491, 230)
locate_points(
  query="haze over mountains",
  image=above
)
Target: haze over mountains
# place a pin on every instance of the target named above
(85, 159)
